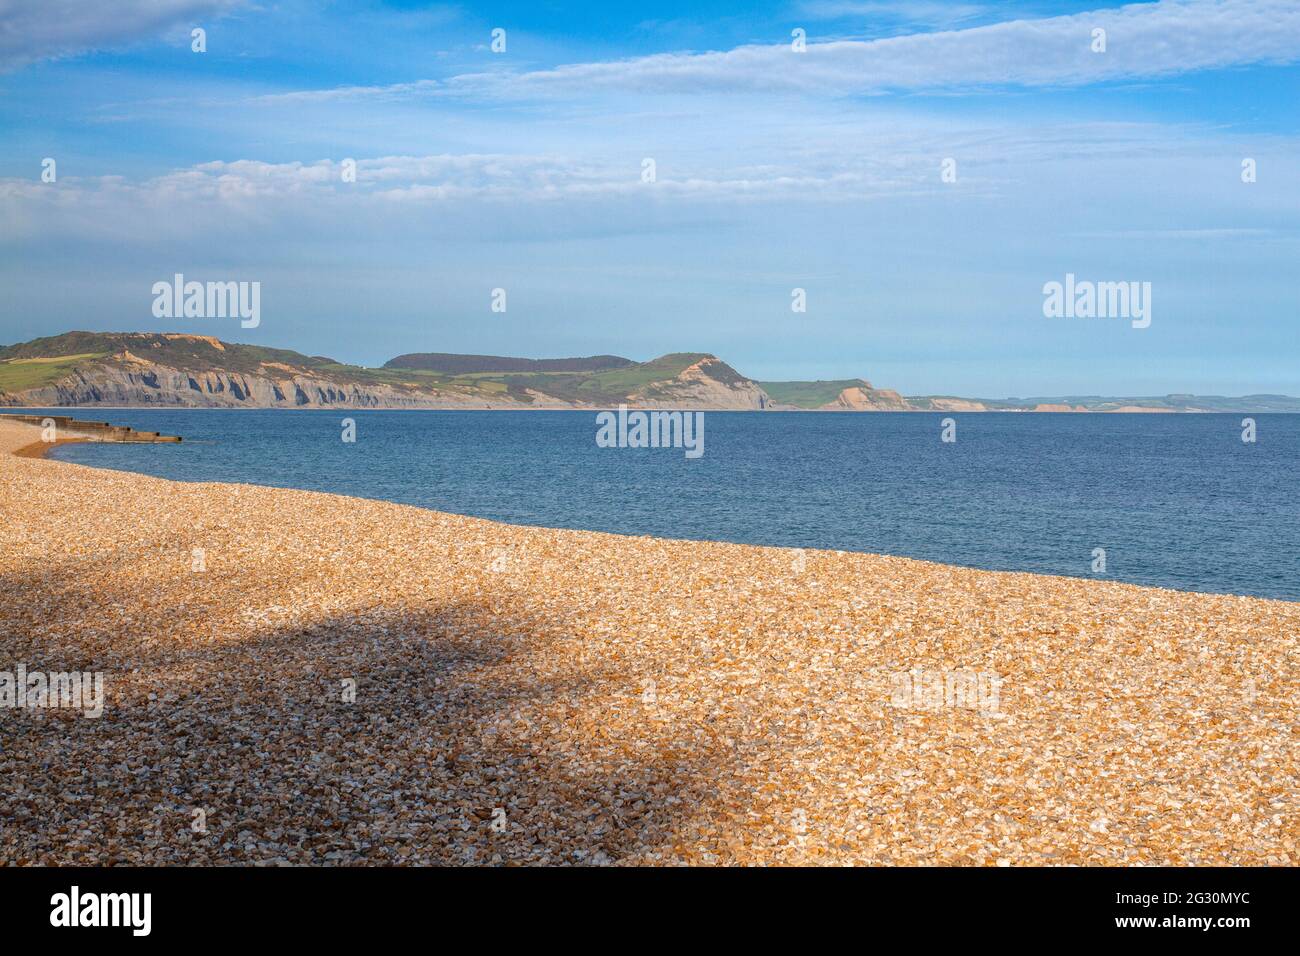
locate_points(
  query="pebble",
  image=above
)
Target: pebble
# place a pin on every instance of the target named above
(354, 682)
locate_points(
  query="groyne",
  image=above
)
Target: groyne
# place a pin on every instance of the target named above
(66, 427)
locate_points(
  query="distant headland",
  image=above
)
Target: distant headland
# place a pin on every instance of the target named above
(160, 369)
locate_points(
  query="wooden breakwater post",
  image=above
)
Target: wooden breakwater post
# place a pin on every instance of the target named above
(90, 431)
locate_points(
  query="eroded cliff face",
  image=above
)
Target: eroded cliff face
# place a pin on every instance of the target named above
(144, 383)
(708, 383)
(957, 405)
(866, 398)
(129, 379)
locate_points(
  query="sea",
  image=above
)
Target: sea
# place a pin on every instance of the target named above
(1177, 501)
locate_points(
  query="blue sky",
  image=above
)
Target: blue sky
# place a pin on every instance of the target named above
(774, 170)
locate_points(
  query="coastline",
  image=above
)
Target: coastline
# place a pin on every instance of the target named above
(646, 408)
(41, 449)
(618, 699)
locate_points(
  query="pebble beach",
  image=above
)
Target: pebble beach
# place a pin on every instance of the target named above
(301, 678)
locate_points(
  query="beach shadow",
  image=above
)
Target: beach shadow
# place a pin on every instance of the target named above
(452, 733)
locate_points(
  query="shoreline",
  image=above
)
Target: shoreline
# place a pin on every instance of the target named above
(618, 699)
(45, 452)
(41, 449)
(44, 449)
(19, 409)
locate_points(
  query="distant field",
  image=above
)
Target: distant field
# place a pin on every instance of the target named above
(808, 394)
(595, 380)
(619, 382)
(603, 387)
(19, 374)
(594, 387)
(451, 364)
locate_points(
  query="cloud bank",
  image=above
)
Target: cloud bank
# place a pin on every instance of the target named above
(33, 30)
(1142, 41)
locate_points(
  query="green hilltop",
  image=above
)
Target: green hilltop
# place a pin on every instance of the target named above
(85, 367)
(597, 380)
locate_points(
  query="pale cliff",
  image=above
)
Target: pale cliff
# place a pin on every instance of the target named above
(139, 382)
(865, 398)
(707, 383)
(185, 370)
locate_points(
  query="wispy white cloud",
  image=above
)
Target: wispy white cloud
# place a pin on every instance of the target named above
(39, 29)
(1143, 40)
(388, 91)
(261, 188)
(822, 159)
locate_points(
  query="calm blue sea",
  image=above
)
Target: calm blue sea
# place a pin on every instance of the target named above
(1175, 500)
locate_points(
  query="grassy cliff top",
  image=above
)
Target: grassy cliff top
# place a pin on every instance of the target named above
(809, 394)
(601, 379)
